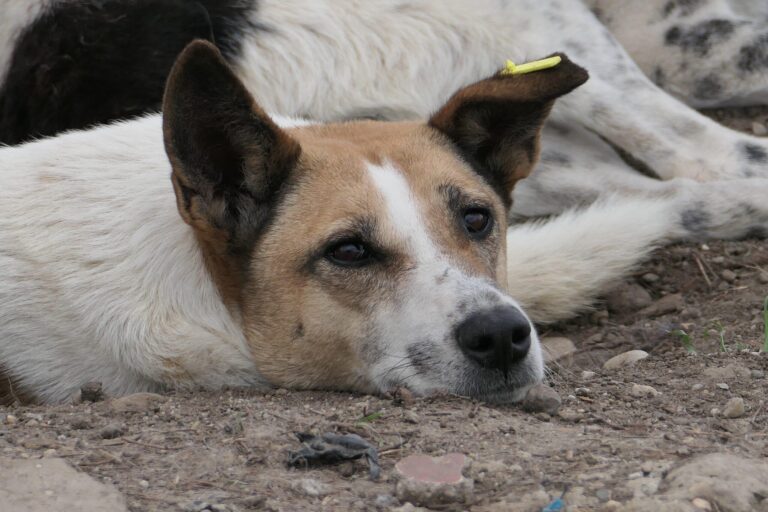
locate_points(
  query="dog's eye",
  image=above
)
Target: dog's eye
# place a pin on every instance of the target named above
(349, 254)
(477, 221)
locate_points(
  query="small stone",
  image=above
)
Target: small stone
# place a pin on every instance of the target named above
(671, 303)
(728, 275)
(10, 419)
(625, 359)
(603, 494)
(433, 481)
(411, 417)
(734, 408)
(80, 423)
(587, 375)
(32, 423)
(384, 501)
(701, 504)
(558, 350)
(137, 402)
(650, 278)
(143, 484)
(762, 276)
(311, 487)
(697, 387)
(759, 129)
(542, 398)
(628, 299)
(112, 431)
(611, 506)
(728, 372)
(757, 374)
(92, 392)
(642, 391)
(723, 386)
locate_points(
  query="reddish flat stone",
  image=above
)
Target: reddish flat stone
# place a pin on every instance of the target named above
(434, 470)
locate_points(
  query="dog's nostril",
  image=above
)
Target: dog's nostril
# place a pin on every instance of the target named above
(496, 338)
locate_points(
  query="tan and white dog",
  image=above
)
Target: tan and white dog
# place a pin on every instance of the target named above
(358, 256)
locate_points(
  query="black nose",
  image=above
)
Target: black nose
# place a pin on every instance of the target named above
(496, 338)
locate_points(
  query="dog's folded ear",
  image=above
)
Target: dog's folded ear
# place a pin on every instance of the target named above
(229, 158)
(495, 123)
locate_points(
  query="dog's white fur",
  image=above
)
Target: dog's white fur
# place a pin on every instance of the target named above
(95, 280)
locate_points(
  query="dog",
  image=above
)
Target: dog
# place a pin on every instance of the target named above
(621, 161)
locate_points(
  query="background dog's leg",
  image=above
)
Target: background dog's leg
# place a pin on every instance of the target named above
(613, 219)
(707, 53)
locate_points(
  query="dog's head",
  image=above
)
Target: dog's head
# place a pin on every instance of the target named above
(364, 255)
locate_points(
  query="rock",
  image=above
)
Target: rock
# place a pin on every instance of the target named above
(311, 487)
(728, 275)
(411, 417)
(137, 402)
(762, 276)
(759, 129)
(384, 501)
(434, 481)
(611, 506)
(558, 350)
(542, 398)
(625, 359)
(92, 392)
(757, 374)
(628, 299)
(587, 375)
(10, 419)
(701, 504)
(729, 372)
(493, 473)
(734, 408)
(650, 278)
(43, 485)
(112, 431)
(80, 423)
(723, 386)
(671, 303)
(642, 391)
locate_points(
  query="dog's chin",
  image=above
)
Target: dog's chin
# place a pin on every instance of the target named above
(502, 397)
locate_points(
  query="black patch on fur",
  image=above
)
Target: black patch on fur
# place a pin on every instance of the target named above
(659, 77)
(708, 88)
(681, 7)
(699, 38)
(696, 220)
(94, 61)
(754, 57)
(755, 153)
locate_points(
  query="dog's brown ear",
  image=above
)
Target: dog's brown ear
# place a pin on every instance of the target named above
(229, 158)
(496, 122)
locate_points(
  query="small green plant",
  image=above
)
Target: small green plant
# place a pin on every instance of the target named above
(765, 324)
(720, 330)
(370, 417)
(685, 339)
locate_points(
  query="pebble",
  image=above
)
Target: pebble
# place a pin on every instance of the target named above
(32, 423)
(628, 299)
(558, 350)
(112, 431)
(697, 387)
(728, 275)
(311, 487)
(434, 481)
(603, 494)
(137, 402)
(625, 359)
(411, 417)
(730, 371)
(10, 419)
(642, 391)
(612, 506)
(723, 386)
(650, 277)
(587, 375)
(542, 398)
(80, 424)
(734, 408)
(762, 277)
(144, 484)
(92, 392)
(757, 374)
(759, 129)
(671, 303)
(701, 504)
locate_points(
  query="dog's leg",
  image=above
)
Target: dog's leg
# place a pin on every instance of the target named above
(707, 53)
(613, 218)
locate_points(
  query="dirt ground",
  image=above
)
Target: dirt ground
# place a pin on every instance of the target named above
(609, 445)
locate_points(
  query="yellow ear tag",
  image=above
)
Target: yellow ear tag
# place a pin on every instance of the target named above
(530, 67)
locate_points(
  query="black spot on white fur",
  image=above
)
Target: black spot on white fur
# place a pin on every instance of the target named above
(754, 57)
(708, 88)
(699, 38)
(755, 153)
(681, 7)
(93, 61)
(696, 220)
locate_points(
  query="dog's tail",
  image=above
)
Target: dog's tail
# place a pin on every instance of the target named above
(558, 268)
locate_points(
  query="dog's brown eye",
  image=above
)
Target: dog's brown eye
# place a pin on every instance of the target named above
(477, 221)
(349, 254)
